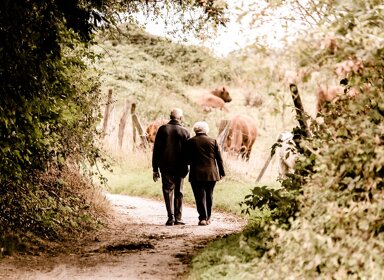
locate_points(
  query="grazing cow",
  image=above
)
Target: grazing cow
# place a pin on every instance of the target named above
(152, 129)
(241, 136)
(215, 99)
(329, 93)
(286, 153)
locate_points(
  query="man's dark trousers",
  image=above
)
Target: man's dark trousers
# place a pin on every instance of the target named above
(173, 195)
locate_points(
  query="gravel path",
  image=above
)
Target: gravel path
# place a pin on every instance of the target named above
(135, 245)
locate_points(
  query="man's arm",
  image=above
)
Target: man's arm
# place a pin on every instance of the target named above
(156, 155)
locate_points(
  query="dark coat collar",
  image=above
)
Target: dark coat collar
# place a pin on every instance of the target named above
(177, 122)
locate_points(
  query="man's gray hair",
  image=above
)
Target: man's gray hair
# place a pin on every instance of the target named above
(176, 114)
(201, 127)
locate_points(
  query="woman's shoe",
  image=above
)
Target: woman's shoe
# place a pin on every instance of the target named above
(202, 223)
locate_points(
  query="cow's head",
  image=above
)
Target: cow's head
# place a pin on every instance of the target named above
(223, 93)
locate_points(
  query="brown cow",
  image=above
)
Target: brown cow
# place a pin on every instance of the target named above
(215, 99)
(241, 136)
(152, 129)
(209, 101)
(223, 93)
(329, 93)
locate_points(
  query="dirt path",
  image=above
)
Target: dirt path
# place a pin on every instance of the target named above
(135, 245)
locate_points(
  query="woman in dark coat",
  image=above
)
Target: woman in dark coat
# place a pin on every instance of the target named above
(206, 168)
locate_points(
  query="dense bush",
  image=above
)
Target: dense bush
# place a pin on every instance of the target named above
(54, 206)
(48, 109)
(339, 227)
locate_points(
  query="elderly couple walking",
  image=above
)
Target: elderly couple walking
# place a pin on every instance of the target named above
(173, 151)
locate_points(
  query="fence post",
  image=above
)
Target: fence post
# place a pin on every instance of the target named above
(264, 168)
(107, 113)
(300, 114)
(122, 123)
(136, 126)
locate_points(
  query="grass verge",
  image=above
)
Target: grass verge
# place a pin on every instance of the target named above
(135, 178)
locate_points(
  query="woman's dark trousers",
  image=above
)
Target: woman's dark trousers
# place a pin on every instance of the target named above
(203, 192)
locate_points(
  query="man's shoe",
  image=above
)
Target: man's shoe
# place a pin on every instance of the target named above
(202, 223)
(179, 223)
(170, 223)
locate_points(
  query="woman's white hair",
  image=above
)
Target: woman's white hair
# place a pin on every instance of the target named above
(201, 127)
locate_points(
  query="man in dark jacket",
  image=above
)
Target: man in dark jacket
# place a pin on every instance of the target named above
(206, 168)
(168, 158)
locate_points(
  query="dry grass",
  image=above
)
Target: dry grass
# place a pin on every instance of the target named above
(92, 194)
